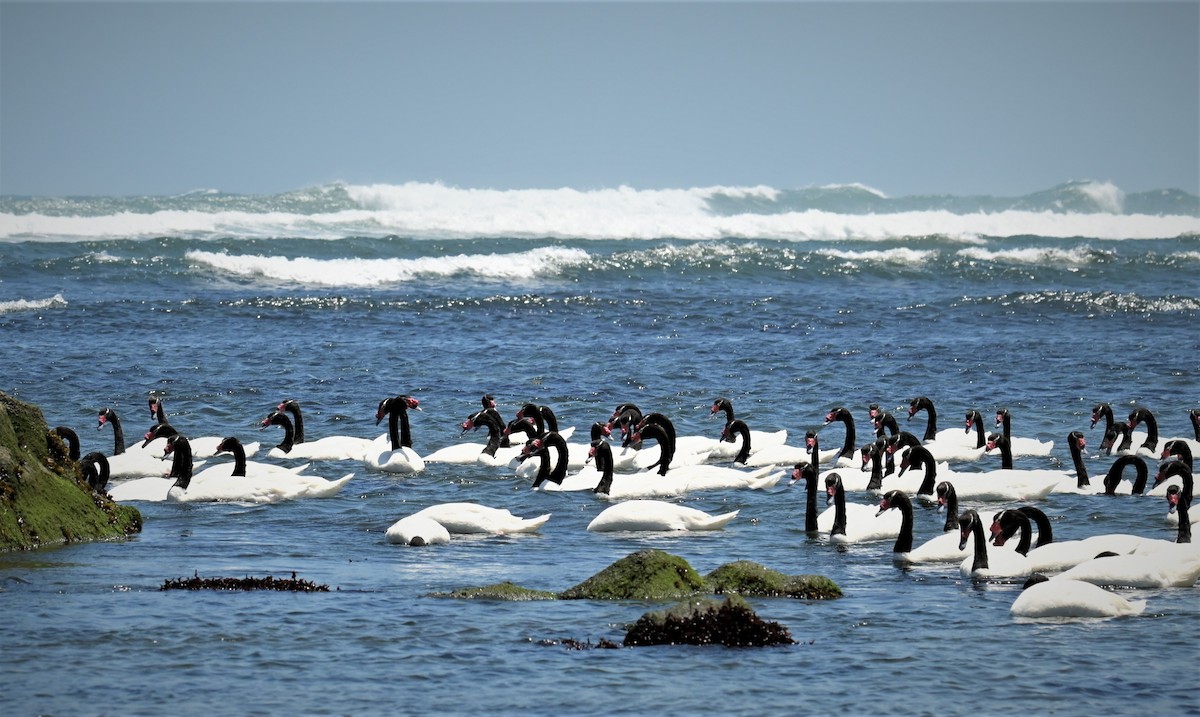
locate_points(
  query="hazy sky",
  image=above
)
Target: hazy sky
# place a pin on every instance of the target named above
(910, 98)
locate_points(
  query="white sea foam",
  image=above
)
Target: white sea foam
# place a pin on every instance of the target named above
(431, 210)
(380, 272)
(54, 302)
(1076, 256)
(901, 256)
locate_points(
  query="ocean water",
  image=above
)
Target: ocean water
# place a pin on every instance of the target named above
(789, 302)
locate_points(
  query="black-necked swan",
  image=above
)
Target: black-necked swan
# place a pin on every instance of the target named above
(657, 516)
(70, 437)
(855, 522)
(996, 485)
(1051, 556)
(1176, 447)
(202, 446)
(492, 453)
(94, 469)
(1164, 481)
(541, 447)
(984, 564)
(133, 461)
(1021, 446)
(244, 468)
(727, 447)
(883, 422)
(948, 444)
(942, 548)
(845, 456)
(469, 518)
(1104, 411)
(1060, 599)
(397, 455)
(808, 473)
(331, 448)
(1113, 483)
(216, 484)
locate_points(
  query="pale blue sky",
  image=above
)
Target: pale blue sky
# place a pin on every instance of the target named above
(910, 98)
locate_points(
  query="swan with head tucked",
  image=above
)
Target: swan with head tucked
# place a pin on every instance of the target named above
(417, 530)
(1042, 598)
(473, 518)
(657, 516)
(397, 455)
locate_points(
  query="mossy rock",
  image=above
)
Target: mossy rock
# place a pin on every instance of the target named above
(43, 500)
(644, 575)
(500, 591)
(731, 622)
(745, 577)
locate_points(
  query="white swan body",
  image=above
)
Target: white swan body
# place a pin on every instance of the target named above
(262, 489)
(1158, 570)
(417, 530)
(475, 518)
(329, 448)
(1059, 598)
(380, 456)
(655, 516)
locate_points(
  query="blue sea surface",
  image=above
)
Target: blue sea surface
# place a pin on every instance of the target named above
(790, 303)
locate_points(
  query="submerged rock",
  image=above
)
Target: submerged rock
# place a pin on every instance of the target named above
(500, 591)
(731, 622)
(656, 575)
(744, 577)
(43, 497)
(270, 582)
(644, 575)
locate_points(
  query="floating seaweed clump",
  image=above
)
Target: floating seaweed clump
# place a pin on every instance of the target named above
(270, 582)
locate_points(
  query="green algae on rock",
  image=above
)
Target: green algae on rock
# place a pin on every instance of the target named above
(705, 621)
(43, 499)
(745, 577)
(500, 591)
(644, 575)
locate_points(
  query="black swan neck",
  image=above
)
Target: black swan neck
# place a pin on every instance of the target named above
(110, 416)
(930, 412)
(1042, 521)
(1081, 473)
(898, 500)
(293, 407)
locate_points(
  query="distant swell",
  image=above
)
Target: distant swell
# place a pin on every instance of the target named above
(435, 211)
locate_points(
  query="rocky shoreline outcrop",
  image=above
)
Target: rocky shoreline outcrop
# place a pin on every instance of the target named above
(44, 499)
